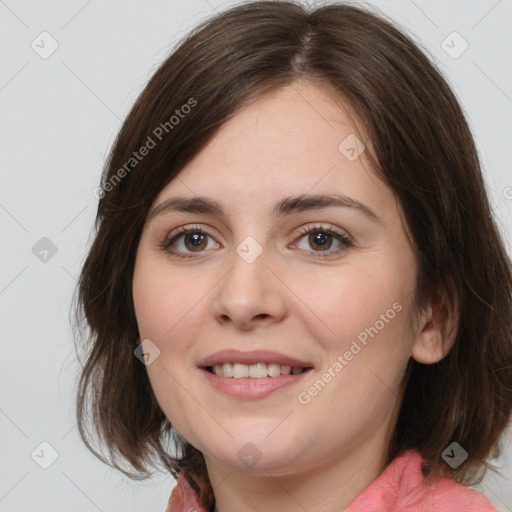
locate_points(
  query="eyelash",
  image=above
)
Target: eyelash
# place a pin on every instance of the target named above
(175, 235)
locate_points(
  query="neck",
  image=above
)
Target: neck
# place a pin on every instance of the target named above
(329, 488)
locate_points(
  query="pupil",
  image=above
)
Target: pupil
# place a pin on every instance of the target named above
(320, 239)
(197, 239)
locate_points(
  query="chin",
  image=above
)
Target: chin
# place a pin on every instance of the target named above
(251, 451)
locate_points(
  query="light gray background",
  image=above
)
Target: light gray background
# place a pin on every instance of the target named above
(59, 117)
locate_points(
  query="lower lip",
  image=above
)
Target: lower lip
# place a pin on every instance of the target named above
(252, 388)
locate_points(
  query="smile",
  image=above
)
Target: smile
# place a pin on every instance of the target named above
(252, 374)
(254, 371)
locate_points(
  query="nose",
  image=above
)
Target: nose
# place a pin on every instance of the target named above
(249, 295)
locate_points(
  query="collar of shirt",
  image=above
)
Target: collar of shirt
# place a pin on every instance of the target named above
(400, 487)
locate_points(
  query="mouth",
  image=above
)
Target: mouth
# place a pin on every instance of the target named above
(254, 371)
(255, 374)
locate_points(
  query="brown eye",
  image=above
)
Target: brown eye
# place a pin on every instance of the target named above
(320, 240)
(195, 241)
(184, 241)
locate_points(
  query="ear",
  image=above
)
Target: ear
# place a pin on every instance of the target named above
(137, 341)
(438, 327)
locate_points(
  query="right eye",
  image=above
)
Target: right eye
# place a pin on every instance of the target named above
(183, 241)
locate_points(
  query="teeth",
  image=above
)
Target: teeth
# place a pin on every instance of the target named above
(258, 370)
(254, 371)
(273, 370)
(286, 370)
(227, 370)
(239, 370)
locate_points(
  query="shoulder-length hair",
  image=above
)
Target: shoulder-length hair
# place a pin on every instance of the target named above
(421, 147)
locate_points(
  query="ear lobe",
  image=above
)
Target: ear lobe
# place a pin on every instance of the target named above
(439, 327)
(137, 341)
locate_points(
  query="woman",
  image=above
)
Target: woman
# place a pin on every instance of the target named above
(296, 277)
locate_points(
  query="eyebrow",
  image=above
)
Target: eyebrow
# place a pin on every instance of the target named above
(283, 207)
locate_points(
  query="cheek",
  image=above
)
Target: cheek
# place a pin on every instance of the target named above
(357, 304)
(166, 307)
(164, 301)
(372, 341)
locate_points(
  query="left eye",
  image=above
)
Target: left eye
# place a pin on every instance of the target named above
(323, 239)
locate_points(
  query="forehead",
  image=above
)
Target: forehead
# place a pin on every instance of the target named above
(298, 139)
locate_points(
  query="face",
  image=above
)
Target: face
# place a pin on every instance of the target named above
(306, 301)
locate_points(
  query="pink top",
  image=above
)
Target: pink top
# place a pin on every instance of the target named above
(400, 487)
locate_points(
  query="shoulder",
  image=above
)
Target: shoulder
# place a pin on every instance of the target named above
(445, 493)
(184, 499)
(401, 486)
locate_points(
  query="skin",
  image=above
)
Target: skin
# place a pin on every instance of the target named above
(322, 454)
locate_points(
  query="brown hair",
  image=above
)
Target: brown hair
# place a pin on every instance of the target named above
(421, 147)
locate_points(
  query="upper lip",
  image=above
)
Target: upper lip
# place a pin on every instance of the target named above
(252, 357)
